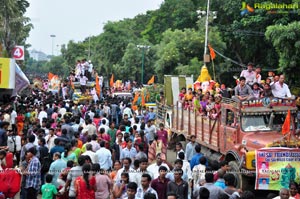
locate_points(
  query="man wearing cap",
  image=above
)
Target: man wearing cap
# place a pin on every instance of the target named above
(249, 74)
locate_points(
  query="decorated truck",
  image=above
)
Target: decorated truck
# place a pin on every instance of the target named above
(241, 131)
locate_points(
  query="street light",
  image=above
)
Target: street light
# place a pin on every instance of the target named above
(207, 13)
(52, 36)
(143, 48)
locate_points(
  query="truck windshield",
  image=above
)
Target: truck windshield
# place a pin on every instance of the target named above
(270, 122)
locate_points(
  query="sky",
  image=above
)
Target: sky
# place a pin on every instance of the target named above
(77, 19)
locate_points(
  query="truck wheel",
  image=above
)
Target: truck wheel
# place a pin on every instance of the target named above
(237, 174)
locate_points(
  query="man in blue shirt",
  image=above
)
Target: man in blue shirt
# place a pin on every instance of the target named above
(196, 158)
(56, 167)
(33, 174)
(190, 148)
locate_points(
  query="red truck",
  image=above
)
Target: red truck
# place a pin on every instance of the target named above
(239, 130)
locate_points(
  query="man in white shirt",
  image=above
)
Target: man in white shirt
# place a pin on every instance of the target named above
(284, 194)
(280, 89)
(103, 125)
(127, 111)
(90, 153)
(129, 151)
(104, 157)
(145, 187)
(42, 114)
(140, 171)
(249, 74)
(83, 80)
(154, 168)
(126, 168)
(50, 139)
(13, 116)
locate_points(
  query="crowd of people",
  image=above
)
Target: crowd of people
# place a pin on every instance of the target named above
(103, 149)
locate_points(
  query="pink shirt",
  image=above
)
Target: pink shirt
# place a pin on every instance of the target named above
(163, 135)
(103, 183)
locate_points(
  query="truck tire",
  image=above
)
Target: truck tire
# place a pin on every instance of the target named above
(234, 169)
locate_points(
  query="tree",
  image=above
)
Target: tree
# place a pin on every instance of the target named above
(173, 14)
(14, 27)
(286, 41)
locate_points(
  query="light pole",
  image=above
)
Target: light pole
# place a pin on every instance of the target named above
(89, 55)
(143, 48)
(52, 36)
(207, 13)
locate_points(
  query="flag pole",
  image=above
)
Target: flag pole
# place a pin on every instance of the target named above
(213, 64)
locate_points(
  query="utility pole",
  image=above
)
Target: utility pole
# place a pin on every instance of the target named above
(143, 48)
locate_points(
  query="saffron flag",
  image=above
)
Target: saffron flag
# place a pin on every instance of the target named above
(97, 86)
(287, 123)
(111, 82)
(50, 76)
(212, 52)
(151, 80)
(143, 98)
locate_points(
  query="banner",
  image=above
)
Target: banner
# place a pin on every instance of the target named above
(7, 73)
(276, 167)
(22, 81)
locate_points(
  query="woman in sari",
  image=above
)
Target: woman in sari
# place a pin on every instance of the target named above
(155, 148)
(85, 185)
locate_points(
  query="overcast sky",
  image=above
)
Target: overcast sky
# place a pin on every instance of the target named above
(77, 19)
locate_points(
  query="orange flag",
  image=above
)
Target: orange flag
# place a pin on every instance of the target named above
(50, 76)
(111, 82)
(287, 123)
(212, 52)
(151, 80)
(143, 98)
(136, 97)
(97, 86)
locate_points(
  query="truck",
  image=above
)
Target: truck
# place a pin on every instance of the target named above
(240, 129)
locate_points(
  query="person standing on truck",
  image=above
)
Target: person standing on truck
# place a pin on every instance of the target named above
(283, 194)
(249, 74)
(280, 89)
(242, 90)
(190, 148)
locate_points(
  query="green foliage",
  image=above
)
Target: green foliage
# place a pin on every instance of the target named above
(14, 26)
(286, 40)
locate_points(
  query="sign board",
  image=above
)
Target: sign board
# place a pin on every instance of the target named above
(276, 167)
(7, 73)
(18, 53)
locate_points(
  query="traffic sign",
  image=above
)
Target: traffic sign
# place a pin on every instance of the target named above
(18, 53)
